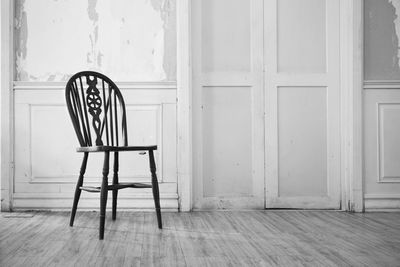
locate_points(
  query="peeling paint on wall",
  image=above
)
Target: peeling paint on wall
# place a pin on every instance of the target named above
(21, 30)
(94, 56)
(127, 40)
(167, 11)
(396, 5)
(381, 40)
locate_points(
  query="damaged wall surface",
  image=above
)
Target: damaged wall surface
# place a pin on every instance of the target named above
(127, 40)
(132, 42)
(381, 39)
(381, 104)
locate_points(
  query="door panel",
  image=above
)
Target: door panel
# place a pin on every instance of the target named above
(227, 142)
(228, 104)
(302, 104)
(302, 144)
(301, 36)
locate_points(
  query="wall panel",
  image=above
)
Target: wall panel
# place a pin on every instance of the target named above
(381, 129)
(389, 146)
(47, 166)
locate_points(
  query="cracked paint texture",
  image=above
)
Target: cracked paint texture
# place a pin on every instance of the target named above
(381, 40)
(127, 40)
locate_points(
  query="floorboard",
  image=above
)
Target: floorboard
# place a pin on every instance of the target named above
(212, 238)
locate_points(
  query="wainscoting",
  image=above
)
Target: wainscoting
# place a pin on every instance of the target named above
(381, 144)
(47, 166)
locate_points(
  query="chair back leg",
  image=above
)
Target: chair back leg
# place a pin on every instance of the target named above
(103, 194)
(154, 183)
(78, 188)
(115, 191)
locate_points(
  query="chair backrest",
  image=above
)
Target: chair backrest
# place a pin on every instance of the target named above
(93, 101)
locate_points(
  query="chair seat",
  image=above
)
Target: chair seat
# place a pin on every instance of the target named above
(114, 148)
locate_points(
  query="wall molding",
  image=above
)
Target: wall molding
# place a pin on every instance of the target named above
(184, 105)
(19, 85)
(382, 178)
(381, 84)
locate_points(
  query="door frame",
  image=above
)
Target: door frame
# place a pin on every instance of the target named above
(351, 86)
(6, 100)
(184, 105)
(351, 73)
(351, 57)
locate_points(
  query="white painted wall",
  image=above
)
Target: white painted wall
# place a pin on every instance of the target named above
(132, 42)
(382, 104)
(128, 40)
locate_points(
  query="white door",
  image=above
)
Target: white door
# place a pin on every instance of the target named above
(302, 104)
(266, 104)
(228, 129)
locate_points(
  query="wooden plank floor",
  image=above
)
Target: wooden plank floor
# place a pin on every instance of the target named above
(220, 238)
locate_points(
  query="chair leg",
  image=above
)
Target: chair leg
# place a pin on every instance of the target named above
(115, 192)
(78, 188)
(156, 193)
(103, 194)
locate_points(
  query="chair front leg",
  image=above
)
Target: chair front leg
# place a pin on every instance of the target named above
(78, 188)
(154, 183)
(115, 182)
(103, 194)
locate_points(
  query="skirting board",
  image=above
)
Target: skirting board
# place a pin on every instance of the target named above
(92, 202)
(229, 203)
(303, 203)
(382, 202)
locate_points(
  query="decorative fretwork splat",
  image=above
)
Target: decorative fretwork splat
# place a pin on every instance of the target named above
(93, 101)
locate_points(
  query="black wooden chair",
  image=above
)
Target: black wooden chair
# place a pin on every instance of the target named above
(97, 110)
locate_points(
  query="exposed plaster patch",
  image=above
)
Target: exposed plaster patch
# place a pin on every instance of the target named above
(21, 39)
(94, 55)
(167, 10)
(123, 38)
(396, 5)
(381, 35)
(92, 13)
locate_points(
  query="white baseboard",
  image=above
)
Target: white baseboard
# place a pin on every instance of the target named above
(92, 202)
(382, 202)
